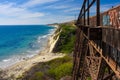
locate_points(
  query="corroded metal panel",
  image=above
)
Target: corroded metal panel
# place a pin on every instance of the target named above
(108, 36)
(111, 36)
(118, 58)
(85, 30)
(106, 20)
(115, 17)
(118, 39)
(95, 34)
(104, 34)
(106, 41)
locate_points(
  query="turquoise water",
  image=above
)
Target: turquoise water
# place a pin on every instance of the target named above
(18, 42)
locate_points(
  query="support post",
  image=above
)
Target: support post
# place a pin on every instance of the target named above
(84, 13)
(98, 12)
(88, 22)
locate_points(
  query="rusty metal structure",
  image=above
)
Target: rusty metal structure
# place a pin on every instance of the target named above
(97, 48)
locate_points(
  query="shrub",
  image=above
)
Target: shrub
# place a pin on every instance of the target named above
(58, 61)
(54, 69)
(38, 76)
(60, 71)
(66, 40)
(89, 78)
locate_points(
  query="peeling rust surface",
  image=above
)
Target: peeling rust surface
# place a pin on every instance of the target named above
(101, 33)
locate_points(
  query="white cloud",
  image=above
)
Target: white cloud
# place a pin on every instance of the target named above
(72, 9)
(31, 15)
(32, 3)
(11, 14)
(92, 9)
(65, 4)
(14, 21)
(10, 10)
(58, 19)
(58, 6)
(35, 21)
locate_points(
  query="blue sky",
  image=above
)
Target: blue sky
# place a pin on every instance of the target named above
(14, 12)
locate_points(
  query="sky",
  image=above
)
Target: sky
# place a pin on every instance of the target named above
(21, 12)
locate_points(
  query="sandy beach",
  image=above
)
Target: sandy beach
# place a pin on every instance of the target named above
(19, 68)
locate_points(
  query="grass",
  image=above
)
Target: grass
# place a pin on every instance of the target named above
(38, 76)
(60, 71)
(60, 67)
(63, 66)
(54, 69)
(89, 78)
(67, 39)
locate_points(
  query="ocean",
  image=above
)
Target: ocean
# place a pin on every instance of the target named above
(19, 42)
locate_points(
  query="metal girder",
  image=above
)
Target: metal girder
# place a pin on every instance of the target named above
(95, 33)
(80, 56)
(94, 64)
(109, 76)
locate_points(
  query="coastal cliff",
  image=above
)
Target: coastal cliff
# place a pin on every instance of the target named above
(59, 68)
(53, 63)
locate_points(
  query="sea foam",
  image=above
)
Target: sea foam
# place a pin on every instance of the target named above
(36, 44)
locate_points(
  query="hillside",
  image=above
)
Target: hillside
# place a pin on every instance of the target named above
(60, 68)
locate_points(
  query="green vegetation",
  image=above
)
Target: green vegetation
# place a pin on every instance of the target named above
(60, 67)
(66, 41)
(61, 71)
(38, 76)
(54, 69)
(89, 78)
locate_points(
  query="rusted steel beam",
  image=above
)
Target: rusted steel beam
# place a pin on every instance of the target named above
(109, 76)
(81, 11)
(82, 8)
(98, 12)
(88, 13)
(75, 51)
(106, 47)
(111, 37)
(84, 14)
(85, 73)
(94, 64)
(77, 55)
(80, 56)
(87, 9)
(95, 34)
(90, 4)
(111, 63)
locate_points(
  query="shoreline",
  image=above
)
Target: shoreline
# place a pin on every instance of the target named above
(36, 44)
(45, 55)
